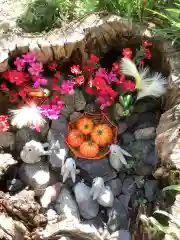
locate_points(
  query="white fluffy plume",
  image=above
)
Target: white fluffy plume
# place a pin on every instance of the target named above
(147, 84)
(28, 115)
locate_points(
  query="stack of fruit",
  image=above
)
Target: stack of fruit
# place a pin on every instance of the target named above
(88, 138)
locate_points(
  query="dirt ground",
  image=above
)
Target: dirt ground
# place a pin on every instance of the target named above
(10, 10)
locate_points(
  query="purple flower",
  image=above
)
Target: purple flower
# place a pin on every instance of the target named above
(67, 87)
(39, 80)
(29, 58)
(109, 77)
(50, 111)
(19, 63)
(35, 69)
(36, 84)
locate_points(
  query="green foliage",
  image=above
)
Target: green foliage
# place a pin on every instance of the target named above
(171, 22)
(172, 232)
(43, 15)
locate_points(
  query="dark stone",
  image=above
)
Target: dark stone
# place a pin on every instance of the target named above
(144, 169)
(122, 176)
(15, 185)
(98, 168)
(153, 158)
(124, 199)
(117, 217)
(147, 104)
(145, 133)
(116, 186)
(25, 135)
(121, 235)
(127, 138)
(151, 189)
(122, 127)
(140, 149)
(99, 223)
(139, 180)
(128, 185)
(147, 120)
(132, 120)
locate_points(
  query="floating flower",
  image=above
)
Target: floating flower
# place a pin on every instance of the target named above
(29, 58)
(67, 87)
(80, 80)
(19, 63)
(39, 80)
(146, 44)
(75, 69)
(4, 125)
(52, 66)
(127, 53)
(35, 69)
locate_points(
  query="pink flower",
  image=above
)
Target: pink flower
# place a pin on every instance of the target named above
(127, 53)
(146, 44)
(35, 69)
(19, 63)
(29, 58)
(67, 87)
(75, 69)
(39, 80)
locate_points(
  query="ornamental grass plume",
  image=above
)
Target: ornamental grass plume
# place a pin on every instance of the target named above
(147, 84)
(28, 115)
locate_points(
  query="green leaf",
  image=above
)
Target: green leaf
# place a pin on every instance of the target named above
(172, 187)
(170, 216)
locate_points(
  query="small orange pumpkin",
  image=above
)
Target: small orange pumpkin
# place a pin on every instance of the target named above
(75, 138)
(85, 125)
(102, 135)
(89, 149)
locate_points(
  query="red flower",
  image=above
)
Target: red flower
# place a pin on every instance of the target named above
(80, 80)
(147, 54)
(4, 125)
(3, 87)
(111, 92)
(13, 97)
(128, 85)
(100, 83)
(16, 77)
(52, 66)
(146, 44)
(57, 74)
(116, 68)
(94, 58)
(141, 62)
(22, 93)
(75, 69)
(127, 53)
